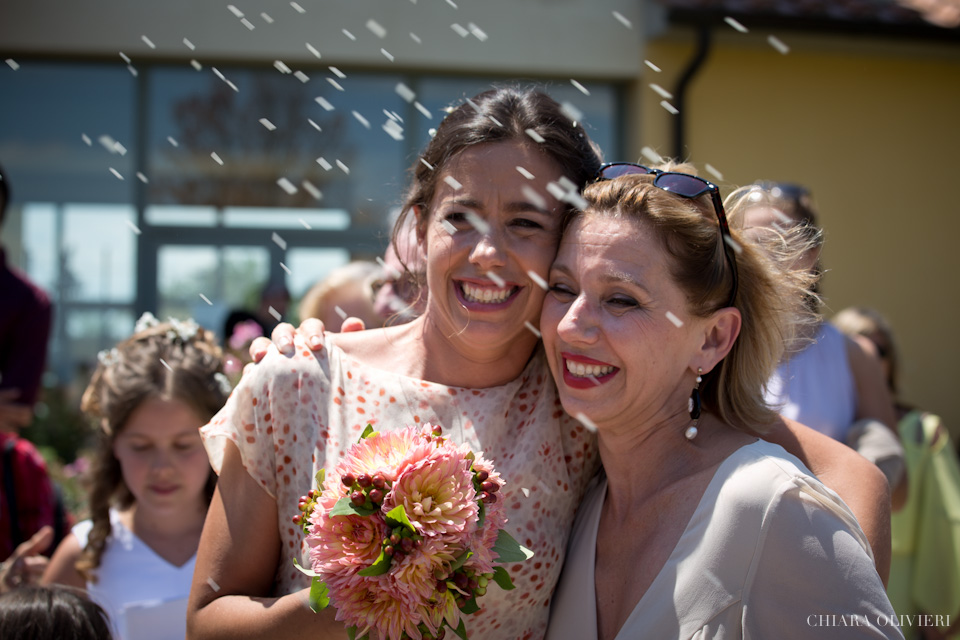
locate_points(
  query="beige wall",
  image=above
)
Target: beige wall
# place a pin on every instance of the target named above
(519, 36)
(874, 129)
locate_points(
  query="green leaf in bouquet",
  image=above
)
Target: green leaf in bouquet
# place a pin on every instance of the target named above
(471, 606)
(379, 567)
(461, 630)
(502, 578)
(304, 570)
(510, 550)
(367, 432)
(481, 514)
(460, 559)
(345, 507)
(321, 475)
(319, 595)
(397, 517)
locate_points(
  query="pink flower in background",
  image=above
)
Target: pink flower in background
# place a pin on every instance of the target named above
(405, 533)
(243, 333)
(77, 468)
(232, 366)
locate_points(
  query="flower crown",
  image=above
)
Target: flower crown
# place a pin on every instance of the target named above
(180, 331)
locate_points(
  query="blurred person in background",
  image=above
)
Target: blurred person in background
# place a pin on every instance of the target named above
(925, 565)
(826, 380)
(25, 317)
(28, 501)
(347, 292)
(400, 295)
(150, 482)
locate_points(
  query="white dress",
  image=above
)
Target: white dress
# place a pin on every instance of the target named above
(144, 596)
(769, 553)
(816, 385)
(289, 417)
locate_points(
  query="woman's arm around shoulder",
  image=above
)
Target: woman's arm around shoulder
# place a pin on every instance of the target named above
(811, 575)
(231, 596)
(859, 482)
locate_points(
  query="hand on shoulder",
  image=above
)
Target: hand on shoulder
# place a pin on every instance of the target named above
(310, 331)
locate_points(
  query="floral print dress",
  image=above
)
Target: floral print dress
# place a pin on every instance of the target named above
(291, 416)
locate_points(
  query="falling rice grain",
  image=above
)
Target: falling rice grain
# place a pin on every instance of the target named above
(287, 186)
(733, 22)
(778, 44)
(533, 329)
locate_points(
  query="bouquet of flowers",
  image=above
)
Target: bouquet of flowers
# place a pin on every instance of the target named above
(404, 536)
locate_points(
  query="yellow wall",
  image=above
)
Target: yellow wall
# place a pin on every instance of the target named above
(873, 128)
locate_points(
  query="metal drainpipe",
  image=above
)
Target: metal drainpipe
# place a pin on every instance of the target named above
(680, 93)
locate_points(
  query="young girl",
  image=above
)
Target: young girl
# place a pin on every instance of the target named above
(151, 481)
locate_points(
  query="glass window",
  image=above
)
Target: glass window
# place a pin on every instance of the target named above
(227, 278)
(170, 215)
(284, 218)
(99, 253)
(39, 244)
(275, 142)
(89, 331)
(310, 266)
(63, 127)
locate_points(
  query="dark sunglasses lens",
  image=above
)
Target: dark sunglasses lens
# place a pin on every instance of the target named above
(682, 184)
(616, 170)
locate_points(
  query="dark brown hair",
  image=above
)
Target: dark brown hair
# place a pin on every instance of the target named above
(54, 611)
(170, 360)
(501, 114)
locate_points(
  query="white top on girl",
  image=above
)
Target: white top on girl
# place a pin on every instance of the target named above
(144, 596)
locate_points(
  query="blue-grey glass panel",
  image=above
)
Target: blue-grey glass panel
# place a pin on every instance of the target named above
(47, 112)
(262, 134)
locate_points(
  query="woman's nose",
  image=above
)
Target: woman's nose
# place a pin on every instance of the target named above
(489, 251)
(578, 324)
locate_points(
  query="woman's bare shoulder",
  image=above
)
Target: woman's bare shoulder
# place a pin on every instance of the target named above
(390, 348)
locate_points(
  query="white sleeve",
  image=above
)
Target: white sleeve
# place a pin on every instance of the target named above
(813, 574)
(81, 531)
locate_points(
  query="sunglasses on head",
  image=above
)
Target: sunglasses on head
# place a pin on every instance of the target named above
(783, 189)
(685, 186)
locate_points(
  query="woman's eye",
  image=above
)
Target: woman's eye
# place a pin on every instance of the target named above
(561, 290)
(455, 217)
(623, 302)
(526, 223)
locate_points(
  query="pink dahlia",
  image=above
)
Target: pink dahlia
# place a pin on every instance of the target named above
(369, 604)
(344, 542)
(384, 453)
(437, 492)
